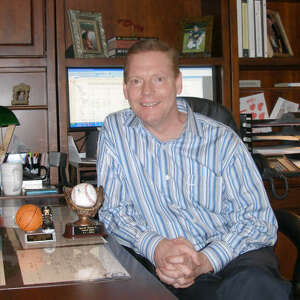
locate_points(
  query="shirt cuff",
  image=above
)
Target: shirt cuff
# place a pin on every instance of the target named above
(147, 243)
(219, 254)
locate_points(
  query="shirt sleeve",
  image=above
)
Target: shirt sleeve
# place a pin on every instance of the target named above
(251, 223)
(118, 212)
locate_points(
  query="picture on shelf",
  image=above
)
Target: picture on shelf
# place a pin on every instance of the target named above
(196, 34)
(88, 35)
(277, 36)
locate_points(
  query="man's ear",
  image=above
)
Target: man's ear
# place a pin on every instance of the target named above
(179, 83)
(125, 91)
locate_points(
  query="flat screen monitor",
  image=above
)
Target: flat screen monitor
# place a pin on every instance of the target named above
(198, 81)
(93, 93)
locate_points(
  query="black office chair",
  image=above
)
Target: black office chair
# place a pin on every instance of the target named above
(288, 222)
(213, 110)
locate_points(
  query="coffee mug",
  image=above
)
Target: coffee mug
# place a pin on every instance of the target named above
(11, 178)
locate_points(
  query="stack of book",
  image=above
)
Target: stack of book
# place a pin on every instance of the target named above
(260, 31)
(119, 45)
(37, 187)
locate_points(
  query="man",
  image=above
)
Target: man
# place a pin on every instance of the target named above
(182, 190)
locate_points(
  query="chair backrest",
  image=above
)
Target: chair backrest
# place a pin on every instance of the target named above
(213, 110)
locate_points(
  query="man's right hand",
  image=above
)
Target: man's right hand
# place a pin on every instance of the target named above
(178, 263)
(166, 271)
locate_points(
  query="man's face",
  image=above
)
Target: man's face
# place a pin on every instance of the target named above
(151, 88)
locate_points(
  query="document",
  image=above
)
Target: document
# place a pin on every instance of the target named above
(283, 106)
(67, 264)
(255, 105)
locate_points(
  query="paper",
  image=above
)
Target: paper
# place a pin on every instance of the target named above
(276, 150)
(283, 106)
(73, 152)
(255, 105)
(2, 274)
(66, 264)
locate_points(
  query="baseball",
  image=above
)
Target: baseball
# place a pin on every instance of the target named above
(84, 195)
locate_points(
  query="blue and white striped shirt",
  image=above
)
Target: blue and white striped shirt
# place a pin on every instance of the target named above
(203, 186)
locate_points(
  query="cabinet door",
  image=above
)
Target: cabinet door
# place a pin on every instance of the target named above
(22, 28)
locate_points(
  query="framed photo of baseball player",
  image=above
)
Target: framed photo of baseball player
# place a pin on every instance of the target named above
(196, 36)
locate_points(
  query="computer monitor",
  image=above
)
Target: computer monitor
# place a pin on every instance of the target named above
(198, 81)
(95, 92)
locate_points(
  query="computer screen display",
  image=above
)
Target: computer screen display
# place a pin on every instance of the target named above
(198, 81)
(93, 93)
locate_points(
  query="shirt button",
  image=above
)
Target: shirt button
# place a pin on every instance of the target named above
(167, 177)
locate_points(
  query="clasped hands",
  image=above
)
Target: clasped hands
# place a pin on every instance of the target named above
(178, 263)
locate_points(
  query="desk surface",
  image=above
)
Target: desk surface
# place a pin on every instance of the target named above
(141, 285)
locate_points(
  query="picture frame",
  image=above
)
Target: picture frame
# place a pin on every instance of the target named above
(21, 94)
(277, 37)
(196, 36)
(88, 36)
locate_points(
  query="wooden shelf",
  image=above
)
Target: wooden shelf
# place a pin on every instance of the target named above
(272, 63)
(270, 89)
(28, 107)
(119, 61)
(2, 197)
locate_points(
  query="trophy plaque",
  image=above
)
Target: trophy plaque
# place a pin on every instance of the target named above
(85, 226)
(31, 219)
(39, 236)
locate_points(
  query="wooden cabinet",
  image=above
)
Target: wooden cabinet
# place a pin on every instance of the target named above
(27, 55)
(22, 26)
(270, 71)
(158, 19)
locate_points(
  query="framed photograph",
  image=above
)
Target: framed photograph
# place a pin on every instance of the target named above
(88, 35)
(196, 35)
(21, 94)
(278, 40)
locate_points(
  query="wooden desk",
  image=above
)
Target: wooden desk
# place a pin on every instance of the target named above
(142, 285)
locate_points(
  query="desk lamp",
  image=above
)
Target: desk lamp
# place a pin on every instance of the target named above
(9, 120)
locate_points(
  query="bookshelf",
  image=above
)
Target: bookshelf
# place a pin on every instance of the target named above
(269, 71)
(148, 15)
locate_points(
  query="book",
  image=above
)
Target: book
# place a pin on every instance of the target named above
(287, 84)
(251, 28)
(266, 45)
(239, 27)
(245, 30)
(249, 83)
(117, 52)
(32, 184)
(258, 20)
(116, 44)
(123, 38)
(42, 191)
(124, 41)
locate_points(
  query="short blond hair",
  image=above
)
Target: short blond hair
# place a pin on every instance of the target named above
(152, 45)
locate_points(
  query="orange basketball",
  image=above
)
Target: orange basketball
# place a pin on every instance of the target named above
(29, 217)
